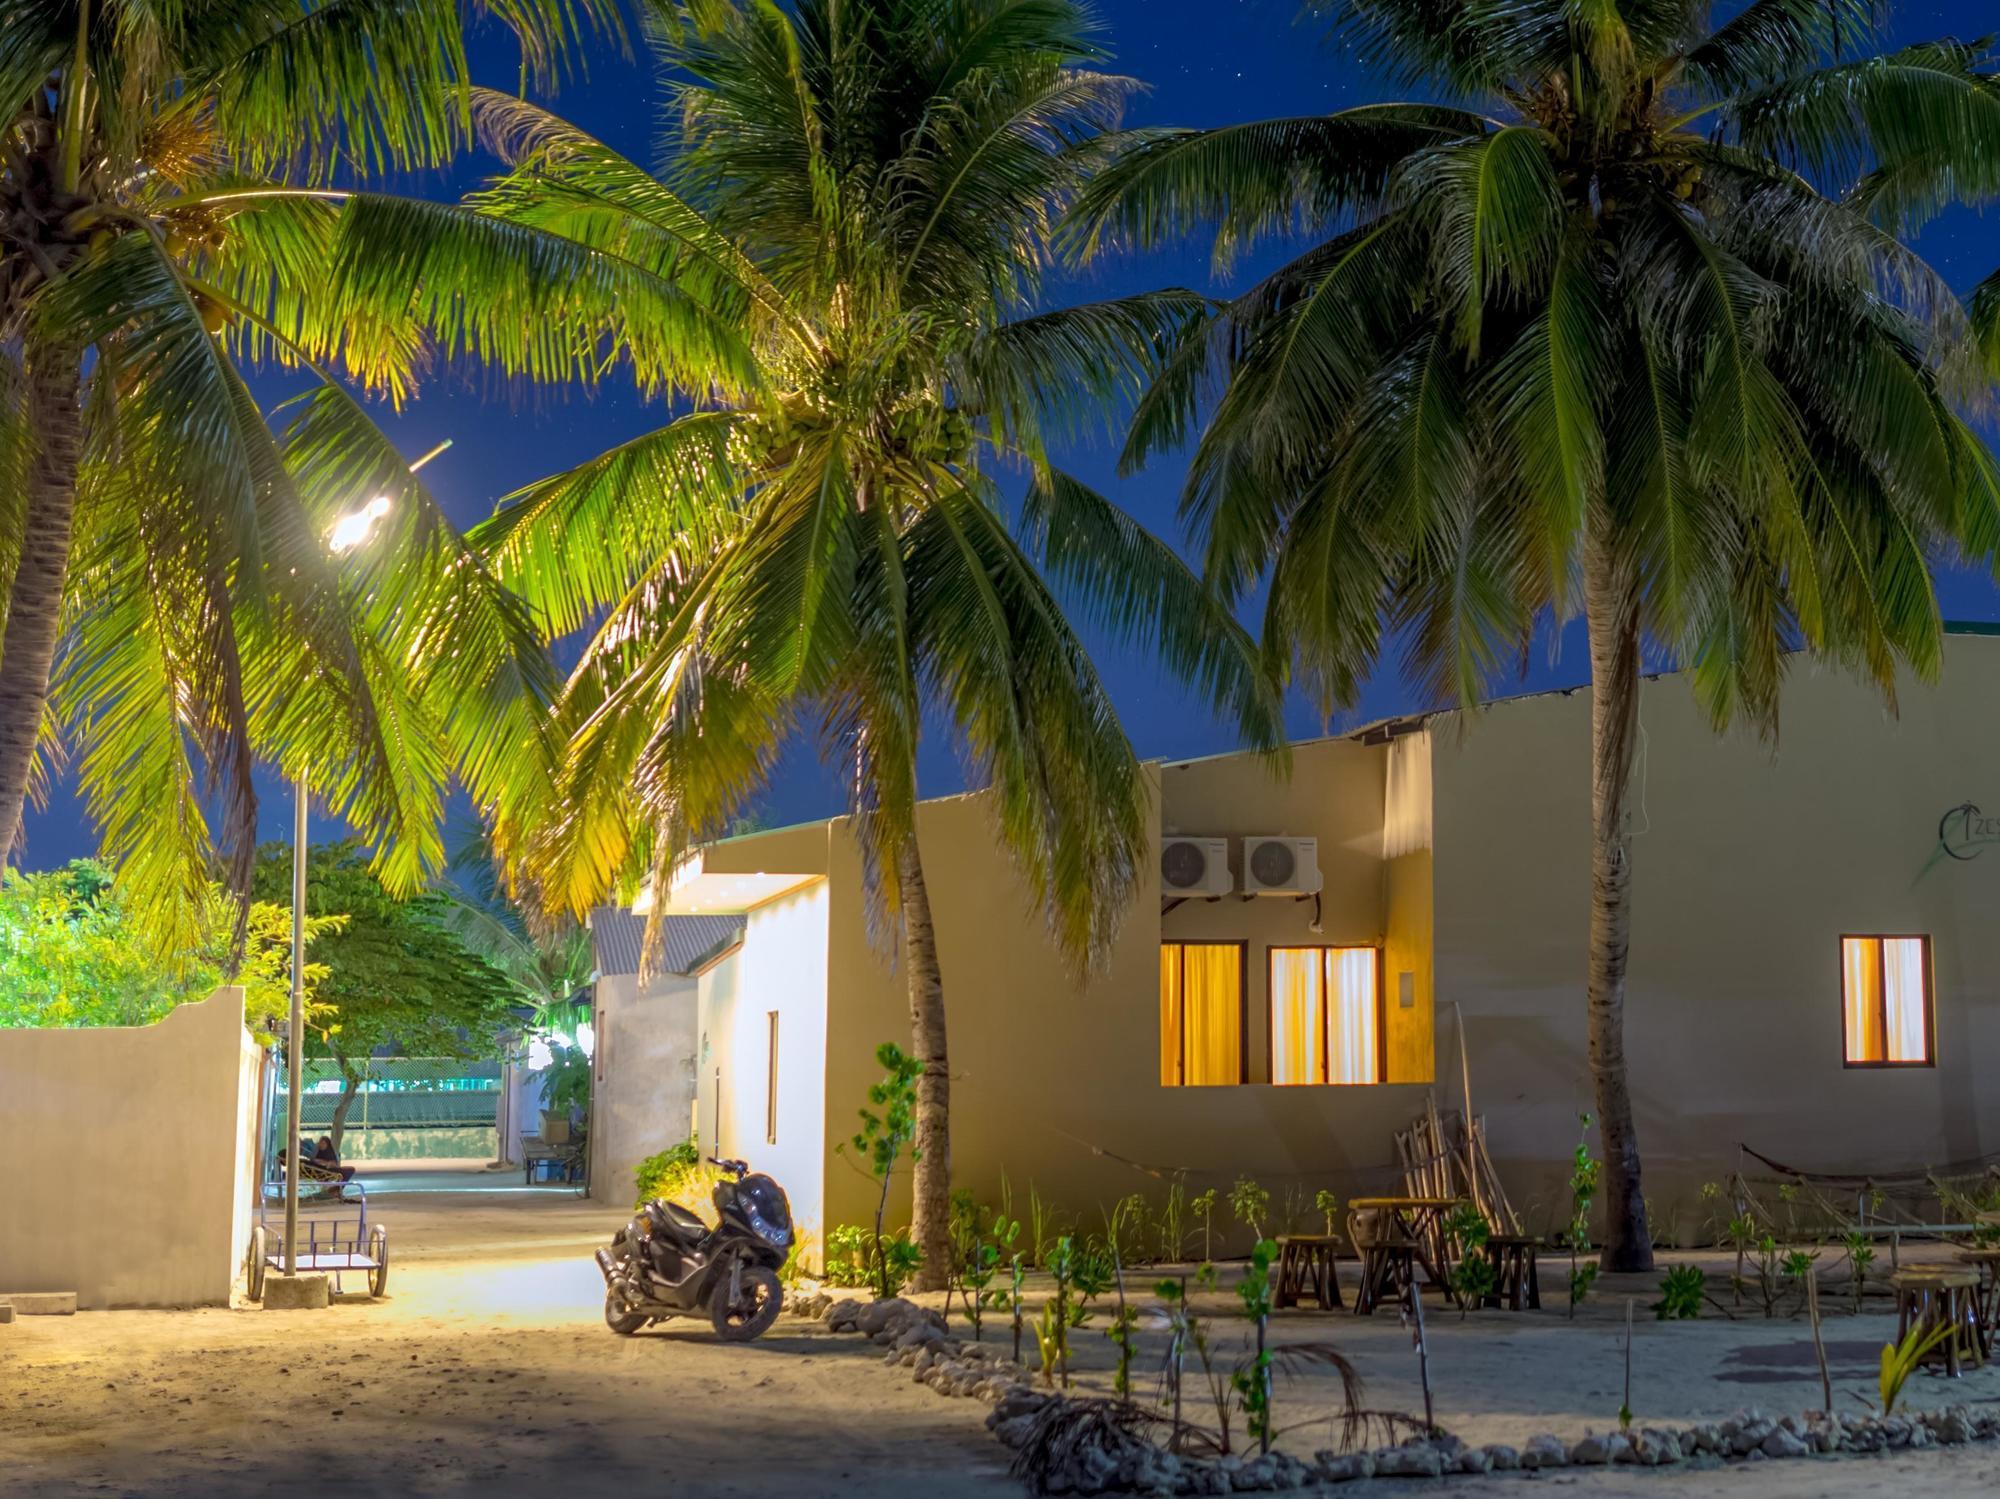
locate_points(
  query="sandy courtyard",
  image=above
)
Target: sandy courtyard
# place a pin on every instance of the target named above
(487, 1368)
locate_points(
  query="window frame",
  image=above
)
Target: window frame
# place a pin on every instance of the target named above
(770, 1077)
(1181, 944)
(1881, 969)
(1271, 951)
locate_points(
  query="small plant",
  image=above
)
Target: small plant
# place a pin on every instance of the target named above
(1328, 1207)
(1298, 1205)
(882, 1139)
(1473, 1276)
(1203, 1207)
(1799, 1266)
(1900, 1360)
(1172, 1224)
(1711, 1204)
(1045, 1226)
(1053, 1324)
(1252, 1378)
(989, 1246)
(1682, 1291)
(1742, 1235)
(1585, 1171)
(1251, 1204)
(1018, 1280)
(1124, 1323)
(856, 1256)
(1860, 1253)
(1125, 1229)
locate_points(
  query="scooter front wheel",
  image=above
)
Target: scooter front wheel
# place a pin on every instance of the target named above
(755, 1308)
(619, 1317)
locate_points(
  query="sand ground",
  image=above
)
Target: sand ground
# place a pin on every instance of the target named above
(487, 1368)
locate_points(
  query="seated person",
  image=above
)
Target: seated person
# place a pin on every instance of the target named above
(327, 1159)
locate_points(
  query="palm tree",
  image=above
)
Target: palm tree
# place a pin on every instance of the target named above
(868, 187)
(168, 216)
(1590, 332)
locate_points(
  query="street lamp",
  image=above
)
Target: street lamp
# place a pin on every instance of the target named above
(349, 532)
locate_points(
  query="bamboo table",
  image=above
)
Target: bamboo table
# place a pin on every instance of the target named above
(1422, 1219)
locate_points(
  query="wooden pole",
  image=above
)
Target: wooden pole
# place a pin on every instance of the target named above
(1471, 1140)
(1819, 1343)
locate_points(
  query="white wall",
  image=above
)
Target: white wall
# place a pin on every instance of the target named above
(129, 1154)
(642, 1089)
(781, 966)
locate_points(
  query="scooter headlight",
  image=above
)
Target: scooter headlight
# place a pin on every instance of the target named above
(765, 1210)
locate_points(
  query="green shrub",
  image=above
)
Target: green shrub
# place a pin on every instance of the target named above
(664, 1174)
(850, 1258)
(1682, 1291)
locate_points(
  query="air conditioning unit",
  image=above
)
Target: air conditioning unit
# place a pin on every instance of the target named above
(1281, 866)
(1195, 866)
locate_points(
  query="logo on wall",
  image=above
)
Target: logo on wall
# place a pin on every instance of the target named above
(1965, 831)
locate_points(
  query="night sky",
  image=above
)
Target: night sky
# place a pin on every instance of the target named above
(1208, 62)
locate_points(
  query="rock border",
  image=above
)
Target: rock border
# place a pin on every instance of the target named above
(916, 1338)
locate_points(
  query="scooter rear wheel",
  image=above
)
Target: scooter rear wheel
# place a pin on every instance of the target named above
(754, 1312)
(620, 1318)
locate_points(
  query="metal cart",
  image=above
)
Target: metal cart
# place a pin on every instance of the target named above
(334, 1241)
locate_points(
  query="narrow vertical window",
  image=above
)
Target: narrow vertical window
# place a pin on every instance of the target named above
(1886, 1006)
(1201, 1014)
(1326, 1015)
(771, 1078)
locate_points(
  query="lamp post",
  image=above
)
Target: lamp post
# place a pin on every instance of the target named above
(349, 532)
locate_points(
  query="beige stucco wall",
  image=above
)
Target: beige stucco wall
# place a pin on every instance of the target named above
(130, 1155)
(643, 1083)
(1749, 863)
(1055, 1080)
(780, 967)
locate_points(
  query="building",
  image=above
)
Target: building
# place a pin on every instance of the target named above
(1810, 967)
(643, 1040)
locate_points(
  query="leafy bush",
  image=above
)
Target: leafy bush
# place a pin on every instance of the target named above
(1251, 1203)
(1682, 1291)
(850, 1258)
(662, 1175)
(679, 1175)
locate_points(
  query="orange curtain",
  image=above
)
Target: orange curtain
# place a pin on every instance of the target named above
(1861, 987)
(1170, 1015)
(1298, 1015)
(1212, 1012)
(1903, 999)
(1354, 1051)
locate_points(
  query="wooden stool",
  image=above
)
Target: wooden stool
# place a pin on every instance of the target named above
(1516, 1286)
(1306, 1268)
(1942, 1298)
(1388, 1267)
(1986, 1262)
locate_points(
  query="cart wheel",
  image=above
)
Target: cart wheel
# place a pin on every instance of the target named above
(253, 1262)
(378, 1251)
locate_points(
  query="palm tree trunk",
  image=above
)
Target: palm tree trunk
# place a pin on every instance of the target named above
(1611, 609)
(930, 1227)
(34, 604)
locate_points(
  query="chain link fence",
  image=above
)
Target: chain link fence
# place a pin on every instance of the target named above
(406, 1108)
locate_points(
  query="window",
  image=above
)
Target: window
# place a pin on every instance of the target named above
(1885, 985)
(1201, 1014)
(771, 1077)
(1326, 1015)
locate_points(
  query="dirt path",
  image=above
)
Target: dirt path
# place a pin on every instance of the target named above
(492, 1373)
(487, 1368)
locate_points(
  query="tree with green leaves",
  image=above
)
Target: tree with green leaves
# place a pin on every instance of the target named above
(70, 955)
(1603, 325)
(178, 203)
(866, 189)
(396, 974)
